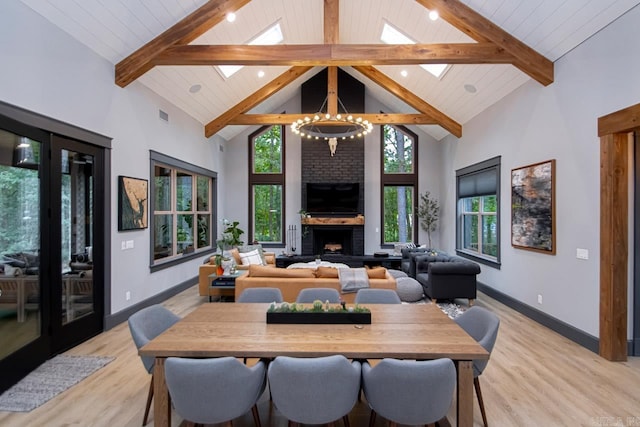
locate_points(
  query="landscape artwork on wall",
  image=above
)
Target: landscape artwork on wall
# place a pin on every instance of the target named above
(132, 203)
(533, 207)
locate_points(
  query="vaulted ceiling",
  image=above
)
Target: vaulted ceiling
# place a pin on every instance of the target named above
(173, 46)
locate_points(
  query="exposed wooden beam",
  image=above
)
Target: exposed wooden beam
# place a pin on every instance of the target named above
(410, 98)
(185, 31)
(481, 29)
(334, 54)
(331, 21)
(254, 99)
(286, 119)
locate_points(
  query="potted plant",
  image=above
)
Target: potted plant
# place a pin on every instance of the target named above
(230, 237)
(303, 215)
(428, 214)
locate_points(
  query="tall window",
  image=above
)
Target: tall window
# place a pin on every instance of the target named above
(399, 180)
(182, 208)
(266, 183)
(478, 228)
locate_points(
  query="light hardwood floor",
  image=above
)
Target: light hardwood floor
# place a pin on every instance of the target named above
(535, 378)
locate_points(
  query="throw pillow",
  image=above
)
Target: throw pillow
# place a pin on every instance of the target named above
(252, 257)
(327, 272)
(249, 248)
(377, 273)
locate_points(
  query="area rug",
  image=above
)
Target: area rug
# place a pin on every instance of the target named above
(48, 380)
(450, 308)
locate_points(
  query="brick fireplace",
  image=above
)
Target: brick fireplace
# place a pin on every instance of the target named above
(346, 166)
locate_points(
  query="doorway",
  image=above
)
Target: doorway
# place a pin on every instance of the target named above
(635, 351)
(51, 273)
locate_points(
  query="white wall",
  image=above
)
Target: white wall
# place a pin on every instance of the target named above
(537, 123)
(46, 71)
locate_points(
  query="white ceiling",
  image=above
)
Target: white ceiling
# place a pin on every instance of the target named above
(116, 28)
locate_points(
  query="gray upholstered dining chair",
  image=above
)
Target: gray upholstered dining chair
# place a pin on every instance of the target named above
(408, 391)
(260, 295)
(309, 295)
(314, 390)
(145, 325)
(208, 391)
(482, 325)
(377, 296)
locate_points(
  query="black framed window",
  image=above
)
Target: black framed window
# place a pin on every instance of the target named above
(399, 185)
(183, 205)
(266, 185)
(478, 212)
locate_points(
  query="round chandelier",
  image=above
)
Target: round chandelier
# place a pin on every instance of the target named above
(325, 126)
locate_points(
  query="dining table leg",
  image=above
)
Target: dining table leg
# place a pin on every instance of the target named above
(464, 410)
(161, 400)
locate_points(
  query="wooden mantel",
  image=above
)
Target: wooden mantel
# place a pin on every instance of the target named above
(326, 220)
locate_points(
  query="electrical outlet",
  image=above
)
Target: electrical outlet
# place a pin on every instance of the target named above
(539, 299)
(129, 244)
(127, 295)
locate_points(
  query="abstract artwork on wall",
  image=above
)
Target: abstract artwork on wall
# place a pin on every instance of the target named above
(533, 207)
(132, 203)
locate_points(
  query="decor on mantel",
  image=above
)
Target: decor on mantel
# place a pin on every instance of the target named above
(533, 207)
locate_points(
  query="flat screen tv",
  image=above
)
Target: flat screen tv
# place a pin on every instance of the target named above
(333, 198)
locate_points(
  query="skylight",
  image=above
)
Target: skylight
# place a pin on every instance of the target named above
(271, 36)
(391, 35)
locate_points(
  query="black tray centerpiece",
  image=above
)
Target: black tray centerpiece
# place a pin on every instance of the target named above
(318, 313)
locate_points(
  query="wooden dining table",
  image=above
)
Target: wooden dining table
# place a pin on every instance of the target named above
(402, 331)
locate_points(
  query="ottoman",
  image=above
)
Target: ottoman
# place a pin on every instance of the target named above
(409, 289)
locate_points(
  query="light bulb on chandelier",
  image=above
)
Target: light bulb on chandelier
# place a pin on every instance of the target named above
(331, 128)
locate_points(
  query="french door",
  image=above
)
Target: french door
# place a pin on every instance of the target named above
(51, 286)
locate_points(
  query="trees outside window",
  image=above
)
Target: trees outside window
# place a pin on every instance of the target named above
(266, 182)
(478, 208)
(182, 197)
(399, 179)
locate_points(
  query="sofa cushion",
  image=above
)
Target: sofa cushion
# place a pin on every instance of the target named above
(262, 271)
(327, 272)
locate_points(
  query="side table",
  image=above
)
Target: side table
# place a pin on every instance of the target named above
(227, 282)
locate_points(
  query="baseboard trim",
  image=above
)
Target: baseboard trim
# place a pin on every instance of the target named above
(574, 334)
(113, 320)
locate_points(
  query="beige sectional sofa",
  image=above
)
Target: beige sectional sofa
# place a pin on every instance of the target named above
(291, 281)
(210, 268)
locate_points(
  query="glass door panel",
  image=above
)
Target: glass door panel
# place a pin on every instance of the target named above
(76, 195)
(20, 297)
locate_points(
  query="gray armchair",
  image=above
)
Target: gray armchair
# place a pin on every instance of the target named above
(261, 295)
(377, 296)
(314, 390)
(482, 325)
(409, 392)
(408, 264)
(145, 325)
(309, 295)
(447, 277)
(208, 391)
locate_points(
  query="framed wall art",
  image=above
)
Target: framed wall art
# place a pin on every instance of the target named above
(133, 205)
(533, 200)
